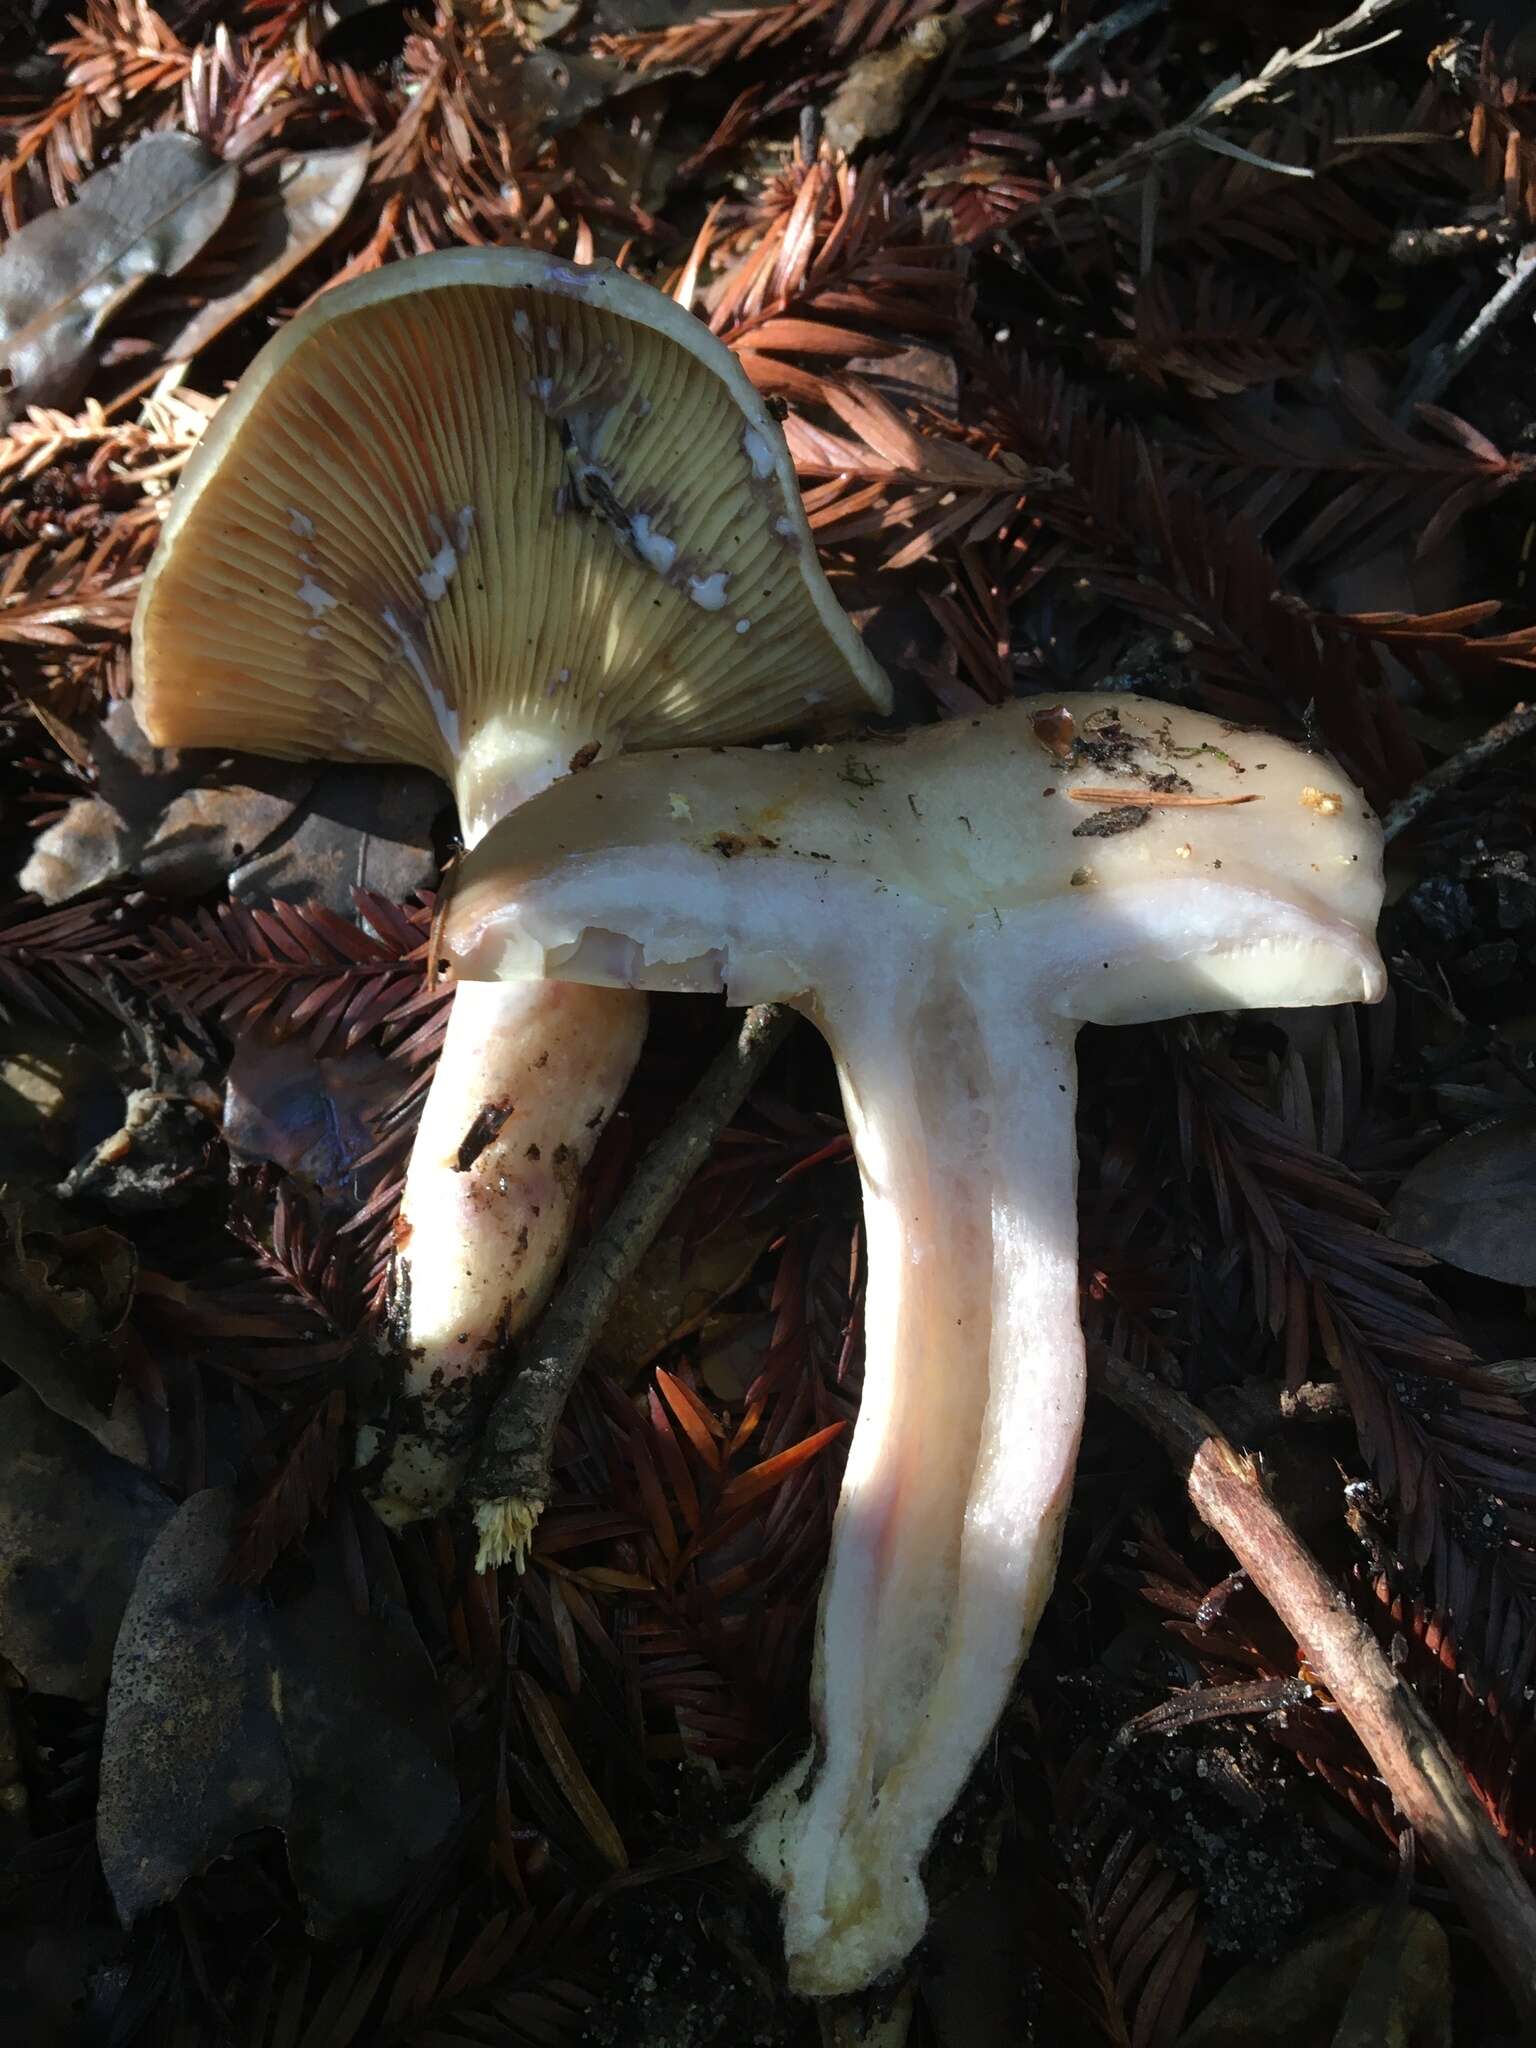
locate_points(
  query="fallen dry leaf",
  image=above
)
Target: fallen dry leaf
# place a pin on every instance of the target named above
(66, 273)
(226, 1714)
(286, 216)
(75, 1525)
(1301, 1998)
(1472, 1202)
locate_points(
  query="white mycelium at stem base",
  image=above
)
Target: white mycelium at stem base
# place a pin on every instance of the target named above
(949, 910)
(496, 515)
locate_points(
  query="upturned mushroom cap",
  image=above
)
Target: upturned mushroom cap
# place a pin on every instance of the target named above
(1206, 867)
(473, 510)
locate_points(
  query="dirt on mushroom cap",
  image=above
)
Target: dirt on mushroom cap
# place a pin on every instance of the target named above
(977, 813)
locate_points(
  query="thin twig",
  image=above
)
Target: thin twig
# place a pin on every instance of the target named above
(1417, 1764)
(1259, 1408)
(1329, 46)
(1458, 242)
(1509, 733)
(509, 1484)
(1098, 35)
(1443, 365)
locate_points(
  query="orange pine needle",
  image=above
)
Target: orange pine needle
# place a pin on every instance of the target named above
(1157, 799)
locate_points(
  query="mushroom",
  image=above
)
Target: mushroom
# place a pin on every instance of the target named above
(496, 515)
(949, 909)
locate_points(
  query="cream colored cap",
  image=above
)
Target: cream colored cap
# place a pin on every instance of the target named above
(1187, 865)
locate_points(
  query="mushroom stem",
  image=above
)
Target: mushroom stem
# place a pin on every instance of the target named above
(525, 1084)
(527, 1080)
(960, 1098)
(528, 1077)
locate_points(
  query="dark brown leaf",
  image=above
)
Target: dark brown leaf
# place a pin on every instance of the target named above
(75, 1525)
(65, 275)
(278, 223)
(1472, 1202)
(226, 1715)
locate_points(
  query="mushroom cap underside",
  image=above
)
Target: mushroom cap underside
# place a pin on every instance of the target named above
(1104, 804)
(481, 490)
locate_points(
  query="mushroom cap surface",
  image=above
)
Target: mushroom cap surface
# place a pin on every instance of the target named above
(767, 872)
(479, 491)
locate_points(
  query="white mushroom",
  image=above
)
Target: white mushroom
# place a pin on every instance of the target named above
(949, 910)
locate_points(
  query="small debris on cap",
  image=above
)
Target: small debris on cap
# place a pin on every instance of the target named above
(1056, 730)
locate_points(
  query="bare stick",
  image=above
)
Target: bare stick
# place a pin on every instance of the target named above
(1098, 35)
(1258, 1408)
(1457, 242)
(1329, 46)
(509, 1483)
(1416, 1763)
(1520, 725)
(1442, 366)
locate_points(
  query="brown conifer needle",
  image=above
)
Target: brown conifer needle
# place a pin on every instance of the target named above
(1157, 799)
